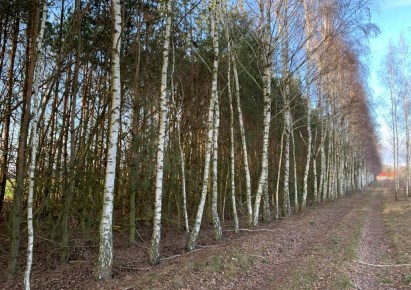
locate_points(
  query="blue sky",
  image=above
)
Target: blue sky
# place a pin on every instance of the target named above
(392, 17)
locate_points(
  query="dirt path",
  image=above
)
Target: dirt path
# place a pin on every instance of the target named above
(374, 249)
(330, 246)
(319, 249)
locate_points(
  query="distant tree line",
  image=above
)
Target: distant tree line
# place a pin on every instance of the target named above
(395, 74)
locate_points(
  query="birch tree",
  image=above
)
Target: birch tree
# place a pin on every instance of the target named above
(405, 96)
(394, 75)
(308, 35)
(243, 143)
(190, 245)
(105, 258)
(277, 188)
(178, 112)
(155, 240)
(31, 34)
(212, 145)
(389, 77)
(296, 207)
(34, 143)
(232, 145)
(287, 109)
(216, 122)
(267, 48)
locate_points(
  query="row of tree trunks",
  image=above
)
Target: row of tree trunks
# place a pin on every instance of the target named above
(135, 139)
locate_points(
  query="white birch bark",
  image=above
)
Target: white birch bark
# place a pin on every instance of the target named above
(390, 63)
(340, 175)
(244, 144)
(295, 175)
(134, 144)
(177, 111)
(322, 190)
(407, 146)
(327, 171)
(404, 48)
(315, 178)
(332, 164)
(232, 144)
(315, 175)
(287, 110)
(308, 156)
(344, 159)
(190, 245)
(183, 179)
(277, 189)
(266, 204)
(321, 107)
(197, 223)
(330, 158)
(264, 158)
(155, 239)
(286, 193)
(307, 23)
(353, 173)
(397, 144)
(105, 258)
(34, 144)
(268, 55)
(214, 175)
(181, 152)
(216, 123)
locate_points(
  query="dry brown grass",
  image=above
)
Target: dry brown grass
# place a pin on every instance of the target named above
(397, 219)
(402, 207)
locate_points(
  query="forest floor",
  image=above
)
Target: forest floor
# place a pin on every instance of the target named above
(361, 241)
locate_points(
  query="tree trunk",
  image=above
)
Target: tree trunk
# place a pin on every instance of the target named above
(268, 54)
(16, 213)
(190, 245)
(134, 136)
(155, 240)
(232, 144)
(105, 258)
(6, 129)
(216, 124)
(322, 190)
(72, 162)
(287, 132)
(277, 188)
(178, 111)
(405, 103)
(296, 207)
(214, 174)
(287, 109)
(308, 33)
(243, 143)
(34, 142)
